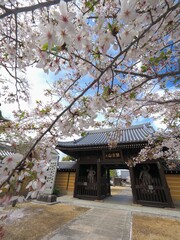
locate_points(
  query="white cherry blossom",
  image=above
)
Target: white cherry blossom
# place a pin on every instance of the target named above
(115, 61)
(64, 17)
(128, 11)
(11, 161)
(48, 36)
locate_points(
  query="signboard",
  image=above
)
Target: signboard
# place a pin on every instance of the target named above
(109, 155)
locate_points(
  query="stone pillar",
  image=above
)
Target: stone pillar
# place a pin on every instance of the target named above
(47, 194)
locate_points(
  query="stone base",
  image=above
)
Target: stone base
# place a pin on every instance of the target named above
(47, 197)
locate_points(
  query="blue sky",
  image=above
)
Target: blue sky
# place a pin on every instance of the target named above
(39, 81)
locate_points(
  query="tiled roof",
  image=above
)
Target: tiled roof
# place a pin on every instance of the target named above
(5, 151)
(134, 134)
(67, 166)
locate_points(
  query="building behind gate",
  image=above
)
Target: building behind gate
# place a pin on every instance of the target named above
(95, 158)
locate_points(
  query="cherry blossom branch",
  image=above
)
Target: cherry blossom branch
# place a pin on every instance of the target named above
(16, 64)
(148, 28)
(167, 3)
(101, 73)
(119, 115)
(59, 116)
(67, 109)
(50, 127)
(151, 102)
(94, 4)
(10, 74)
(112, 81)
(68, 88)
(87, 61)
(41, 5)
(149, 77)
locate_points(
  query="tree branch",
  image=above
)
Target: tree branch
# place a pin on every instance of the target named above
(101, 73)
(150, 77)
(9, 11)
(153, 102)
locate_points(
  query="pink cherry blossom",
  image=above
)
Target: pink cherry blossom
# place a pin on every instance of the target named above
(116, 63)
(128, 11)
(11, 161)
(64, 18)
(48, 36)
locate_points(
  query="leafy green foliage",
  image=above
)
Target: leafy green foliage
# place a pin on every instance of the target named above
(68, 158)
(106, 91)
(22, 115)
(90, 4)
(83, 134)
(45, 110)
(113, 173)
(56, 191)
(154, 61)
(45, 47)
(114, 28)
(97, 54)
(144, 68)
(132, 95)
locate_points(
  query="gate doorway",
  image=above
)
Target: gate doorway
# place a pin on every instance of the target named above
(96, 182)
(148, 184)
(121, 195)
(120, 186)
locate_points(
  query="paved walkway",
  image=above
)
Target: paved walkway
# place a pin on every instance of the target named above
(96, 224)
(109, 219)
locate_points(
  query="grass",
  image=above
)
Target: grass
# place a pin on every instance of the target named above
(34, 221)
(37, 220)
(155, 228)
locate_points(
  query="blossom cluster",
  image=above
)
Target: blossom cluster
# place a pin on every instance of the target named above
(27, 180)
(116, 62)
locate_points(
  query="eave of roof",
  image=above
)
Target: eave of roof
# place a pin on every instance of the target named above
(67, 166)
(5, 150)
(103, 146)
(135, 136)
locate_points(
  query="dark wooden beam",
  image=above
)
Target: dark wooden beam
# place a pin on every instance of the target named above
(76, 178)
(133, 186)
(98, 179)
(108, 177)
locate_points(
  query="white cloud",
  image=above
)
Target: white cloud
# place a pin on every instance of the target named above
(38, 81)
(158, 124)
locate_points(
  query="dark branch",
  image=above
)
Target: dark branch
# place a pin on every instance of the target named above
(9, 12)
(167, 74)
(153, 102)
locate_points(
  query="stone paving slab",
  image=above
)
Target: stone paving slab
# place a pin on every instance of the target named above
(109, 203)
(96, 224)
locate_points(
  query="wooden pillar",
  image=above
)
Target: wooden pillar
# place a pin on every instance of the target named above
(133, 186)
(165, 185)
(76, 178)
(98, 179)
(109, 185)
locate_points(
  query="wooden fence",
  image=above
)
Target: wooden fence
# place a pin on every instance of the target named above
(65, 182)
(173, 181)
